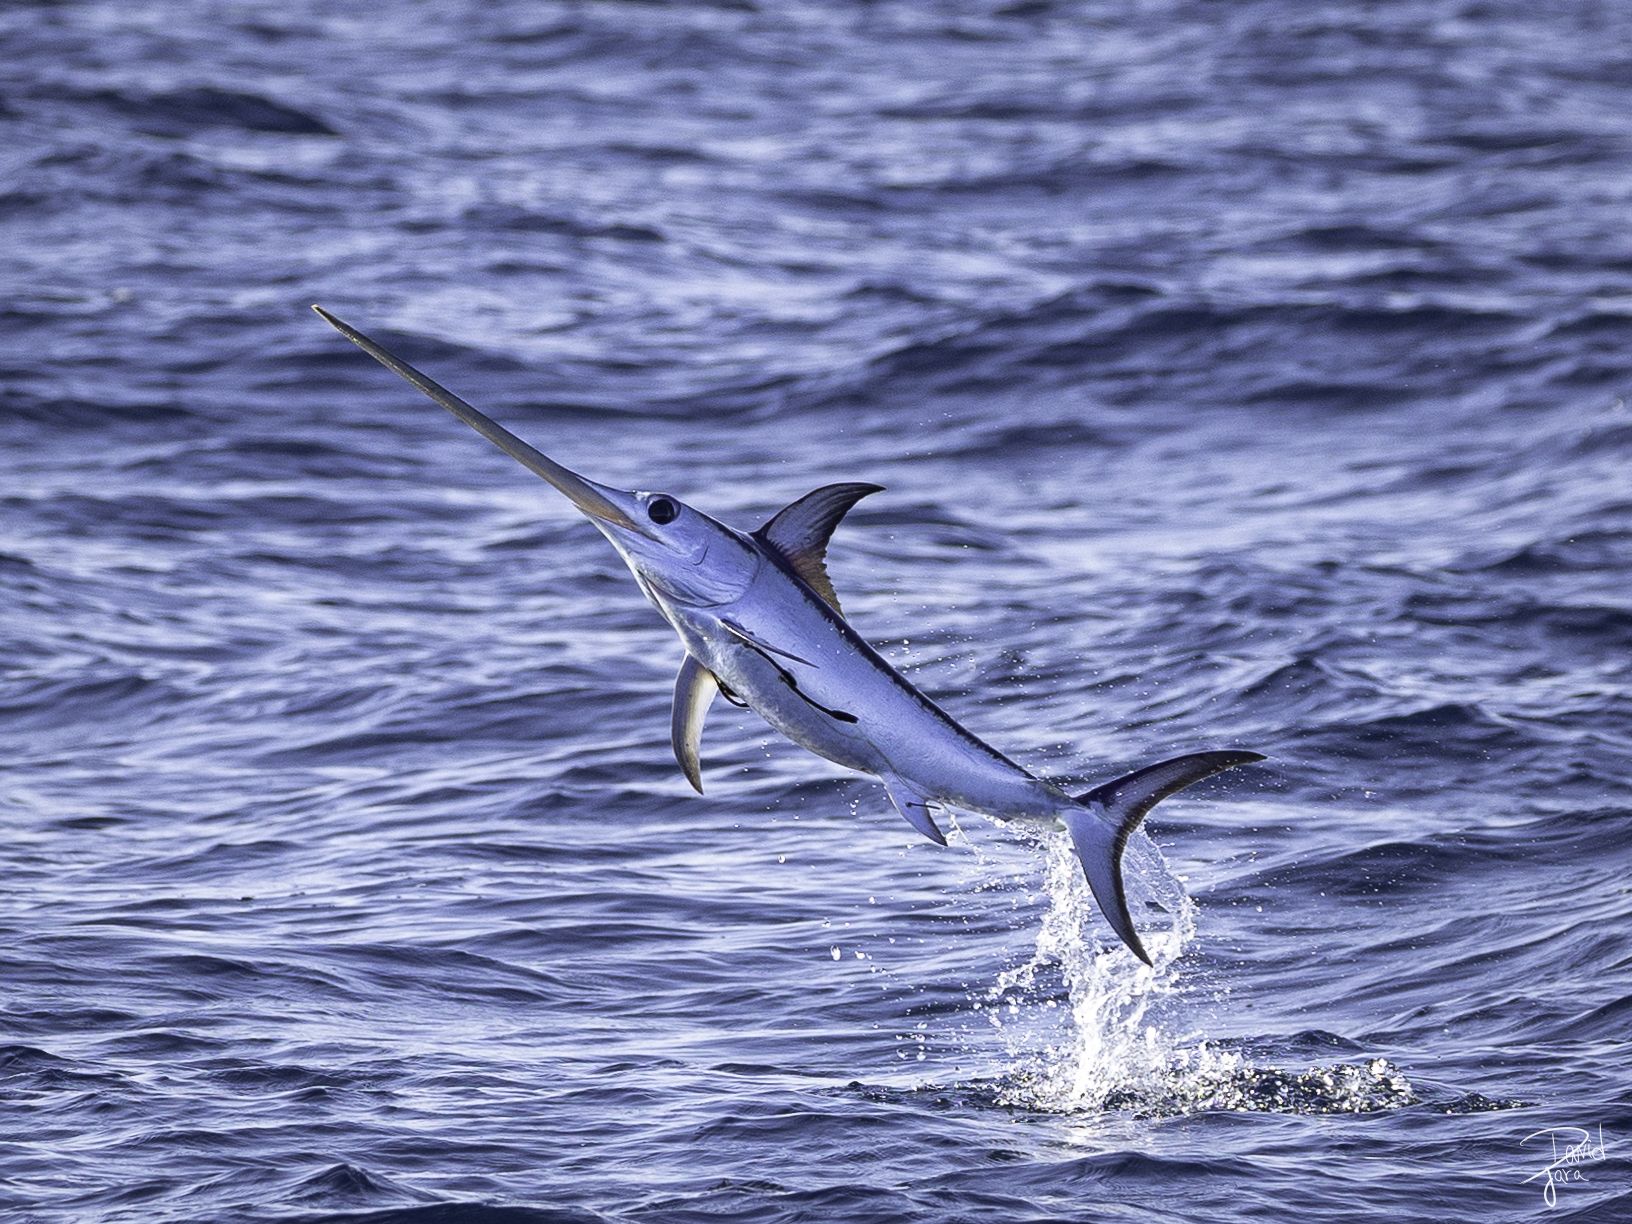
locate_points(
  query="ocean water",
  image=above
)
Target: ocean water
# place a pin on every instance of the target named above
(1246, 374)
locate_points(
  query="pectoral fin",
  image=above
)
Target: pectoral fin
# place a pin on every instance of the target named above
(915, 808)
(761, 644)
(693, 691)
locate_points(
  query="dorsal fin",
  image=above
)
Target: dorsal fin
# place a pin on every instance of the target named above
(800, 532)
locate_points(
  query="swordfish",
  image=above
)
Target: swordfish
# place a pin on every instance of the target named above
(762, 627)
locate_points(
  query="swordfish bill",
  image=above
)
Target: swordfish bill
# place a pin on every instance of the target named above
(761, 626)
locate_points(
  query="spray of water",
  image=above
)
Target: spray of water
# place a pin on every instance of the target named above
(1087, 1027)
(1110, 1037)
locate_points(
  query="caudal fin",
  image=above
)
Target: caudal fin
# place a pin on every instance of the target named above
(1107, 816)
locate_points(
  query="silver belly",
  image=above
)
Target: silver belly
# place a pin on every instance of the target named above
(764, 686)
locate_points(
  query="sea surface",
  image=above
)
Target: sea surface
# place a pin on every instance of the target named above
(1240, 374)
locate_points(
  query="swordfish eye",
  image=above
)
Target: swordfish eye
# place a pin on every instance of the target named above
(662, 510)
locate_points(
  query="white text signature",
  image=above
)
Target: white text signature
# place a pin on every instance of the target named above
(1570, 1148)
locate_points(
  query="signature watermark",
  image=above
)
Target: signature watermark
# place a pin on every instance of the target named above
(1570, 1148)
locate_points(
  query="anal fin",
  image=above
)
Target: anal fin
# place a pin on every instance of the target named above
(915, 808)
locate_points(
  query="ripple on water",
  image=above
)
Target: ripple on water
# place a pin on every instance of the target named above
(1244, 375)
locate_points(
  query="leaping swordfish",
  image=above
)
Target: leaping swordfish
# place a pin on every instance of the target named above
(762, 627)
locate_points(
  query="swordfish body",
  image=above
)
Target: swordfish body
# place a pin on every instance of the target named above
(761, 625)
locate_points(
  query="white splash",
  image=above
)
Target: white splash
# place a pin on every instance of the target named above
(1110, 1043)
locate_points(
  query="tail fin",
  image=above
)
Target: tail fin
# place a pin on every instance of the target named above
(1108, 815)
